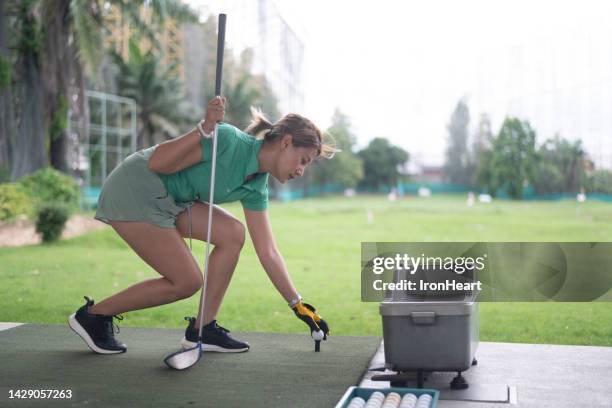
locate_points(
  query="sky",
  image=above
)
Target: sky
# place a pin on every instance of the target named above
(398, 68)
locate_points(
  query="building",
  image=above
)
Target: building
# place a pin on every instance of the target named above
(561, 84)
(278, 48)
(194, 63)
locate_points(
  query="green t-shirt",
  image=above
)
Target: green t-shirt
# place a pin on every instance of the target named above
(236, 159)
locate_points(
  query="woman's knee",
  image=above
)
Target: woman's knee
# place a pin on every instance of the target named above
(236, 235)
(188, 287)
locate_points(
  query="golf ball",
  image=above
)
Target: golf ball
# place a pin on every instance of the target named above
(392, 400)
(375, 400)
(373, 404)
(318, 335)
(424, 401)
(377, 394)
(409, 397)
(408, 401)
(357, 402)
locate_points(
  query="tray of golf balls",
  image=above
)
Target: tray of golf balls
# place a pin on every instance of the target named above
(357, 397)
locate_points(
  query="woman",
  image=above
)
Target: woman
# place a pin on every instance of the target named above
(153, 201)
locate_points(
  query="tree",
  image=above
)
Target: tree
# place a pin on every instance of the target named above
(156, 90)
(514, 158)
(484, 136)
(600, 182)
(380, 163)
(484, 176)
(48, 70)
(561, 166)
(72, 44)
(70, 30)
(458, 168)
(482, 155)
(7, 116)
(346, 168)
(28, 141)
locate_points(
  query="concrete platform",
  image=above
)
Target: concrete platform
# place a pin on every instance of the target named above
(534, 375)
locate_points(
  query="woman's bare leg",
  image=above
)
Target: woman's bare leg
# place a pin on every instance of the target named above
(165, 251)
(228, 235)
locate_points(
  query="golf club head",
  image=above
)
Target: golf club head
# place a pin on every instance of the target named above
(184, 359)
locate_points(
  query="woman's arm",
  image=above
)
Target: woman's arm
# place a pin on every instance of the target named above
(177, 154)
(185, 151)
(273, 263)
(268, 254)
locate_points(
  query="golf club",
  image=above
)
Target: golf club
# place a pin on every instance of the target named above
(184, 359)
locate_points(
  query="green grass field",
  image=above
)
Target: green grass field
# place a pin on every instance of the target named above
(320, 240)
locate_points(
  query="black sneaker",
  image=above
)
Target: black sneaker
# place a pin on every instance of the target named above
(214, 338)
(98, 331)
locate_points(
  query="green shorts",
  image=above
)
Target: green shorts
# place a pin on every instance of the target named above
(132, 192)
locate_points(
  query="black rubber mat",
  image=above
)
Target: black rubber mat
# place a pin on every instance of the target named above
(280, 370)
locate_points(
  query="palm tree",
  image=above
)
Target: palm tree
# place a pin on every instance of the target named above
(26, 137)
(72, 44)
(48, 69)
(7, 117)
(156, 90)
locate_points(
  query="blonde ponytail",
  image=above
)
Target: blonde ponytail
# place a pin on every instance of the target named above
(304, 132)
(328, 146)
(259, 125)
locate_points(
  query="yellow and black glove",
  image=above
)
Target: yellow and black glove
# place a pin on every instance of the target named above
(308, 315)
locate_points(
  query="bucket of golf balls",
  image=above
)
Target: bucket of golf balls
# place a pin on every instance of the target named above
(357, 397)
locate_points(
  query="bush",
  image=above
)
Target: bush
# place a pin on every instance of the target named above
(600, 182)
(50, 220)
(13, 202)
(49, 185)
(549, 179)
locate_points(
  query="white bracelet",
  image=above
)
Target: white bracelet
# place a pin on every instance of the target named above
(295, 301)
(201, 130)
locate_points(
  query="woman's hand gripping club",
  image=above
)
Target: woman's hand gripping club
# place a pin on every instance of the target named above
(215, 113)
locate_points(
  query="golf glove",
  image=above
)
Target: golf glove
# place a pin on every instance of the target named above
(308, 315)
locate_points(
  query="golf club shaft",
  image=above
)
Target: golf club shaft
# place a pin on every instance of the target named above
(220, 51)
(208, 233)
(218, 79)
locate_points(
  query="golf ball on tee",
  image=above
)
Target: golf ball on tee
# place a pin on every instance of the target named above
(318, 335)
